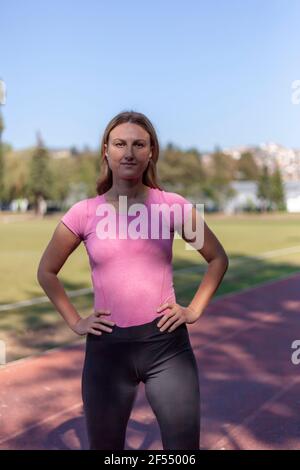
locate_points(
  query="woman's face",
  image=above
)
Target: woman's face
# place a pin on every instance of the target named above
(128, 150)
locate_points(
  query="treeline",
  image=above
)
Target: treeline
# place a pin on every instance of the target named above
(210, 179)
(34, 173)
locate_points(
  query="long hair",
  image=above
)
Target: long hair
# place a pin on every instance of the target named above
(105, 180)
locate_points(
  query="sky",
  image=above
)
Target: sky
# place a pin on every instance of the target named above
(206, 73)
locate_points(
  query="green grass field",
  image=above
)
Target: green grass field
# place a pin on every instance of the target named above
(257, 246)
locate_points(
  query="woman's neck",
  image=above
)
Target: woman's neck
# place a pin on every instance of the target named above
(132, 193)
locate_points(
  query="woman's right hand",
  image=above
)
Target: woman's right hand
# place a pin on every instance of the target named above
(93, 323)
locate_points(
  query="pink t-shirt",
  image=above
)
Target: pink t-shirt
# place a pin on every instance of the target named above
(131, 276)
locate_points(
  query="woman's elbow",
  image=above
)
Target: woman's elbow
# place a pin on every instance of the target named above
(225, 261)
(40, 274)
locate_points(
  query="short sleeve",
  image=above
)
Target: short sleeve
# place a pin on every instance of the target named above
(75, 218)
(180, 209)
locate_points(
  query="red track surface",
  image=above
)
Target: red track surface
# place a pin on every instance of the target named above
(250, 389)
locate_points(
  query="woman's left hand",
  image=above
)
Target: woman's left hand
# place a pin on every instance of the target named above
(177, 315)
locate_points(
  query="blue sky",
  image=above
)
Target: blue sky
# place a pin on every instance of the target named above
(206, 73)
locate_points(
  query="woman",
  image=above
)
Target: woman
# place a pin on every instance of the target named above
(137, 331)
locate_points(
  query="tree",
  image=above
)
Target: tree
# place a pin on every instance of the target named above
(277, 190)
(40, 177)
(219, 179)
(181, 171)
(74, 151)
(264, 188)
(247, 167)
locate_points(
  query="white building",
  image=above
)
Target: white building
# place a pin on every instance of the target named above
(246, 196)
(292, 189)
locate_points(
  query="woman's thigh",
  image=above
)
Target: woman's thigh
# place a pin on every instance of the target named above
(173, 391)
(109, 387)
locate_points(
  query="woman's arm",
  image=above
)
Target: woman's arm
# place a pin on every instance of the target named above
(61, 245)
(218, 262)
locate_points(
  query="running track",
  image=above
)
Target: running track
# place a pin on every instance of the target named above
(250, 389)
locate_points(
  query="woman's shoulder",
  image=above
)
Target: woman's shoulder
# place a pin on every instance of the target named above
(172, 197)
(78, 206)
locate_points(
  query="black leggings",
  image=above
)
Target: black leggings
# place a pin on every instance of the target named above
(114, 365)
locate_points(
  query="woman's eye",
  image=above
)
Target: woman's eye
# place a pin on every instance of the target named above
(140, 145)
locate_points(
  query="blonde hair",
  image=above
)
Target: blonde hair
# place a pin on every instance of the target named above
(105, 180)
